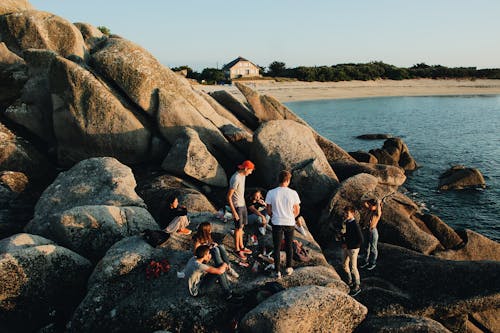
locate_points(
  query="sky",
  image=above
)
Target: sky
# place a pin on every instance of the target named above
(211, 33)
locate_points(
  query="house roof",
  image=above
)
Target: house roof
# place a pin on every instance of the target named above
(235, 61)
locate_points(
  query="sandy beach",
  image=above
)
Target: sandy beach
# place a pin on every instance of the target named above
(299, 91)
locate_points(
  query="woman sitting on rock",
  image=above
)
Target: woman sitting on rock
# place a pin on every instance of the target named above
(256, 207)
(203, 236)
(175, 216)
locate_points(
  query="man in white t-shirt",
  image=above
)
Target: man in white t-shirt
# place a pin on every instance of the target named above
(283, 205)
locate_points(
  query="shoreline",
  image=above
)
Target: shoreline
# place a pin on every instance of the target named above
(303, 91)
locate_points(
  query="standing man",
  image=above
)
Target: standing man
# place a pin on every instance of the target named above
(372, 217)
(283, 205)
(236, 201)
(351, 243)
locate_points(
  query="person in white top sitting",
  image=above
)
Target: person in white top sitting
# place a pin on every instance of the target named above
(283, 205)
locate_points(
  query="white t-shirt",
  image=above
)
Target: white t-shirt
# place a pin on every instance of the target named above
(237, 182)
(194, 271)
(282, 200)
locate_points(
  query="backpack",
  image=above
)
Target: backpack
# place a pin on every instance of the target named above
(300, 253)
(155, 237)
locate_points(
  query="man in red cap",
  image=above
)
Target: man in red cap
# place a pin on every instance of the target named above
(236, 200)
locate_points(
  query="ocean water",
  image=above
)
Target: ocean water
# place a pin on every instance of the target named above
(440, 131)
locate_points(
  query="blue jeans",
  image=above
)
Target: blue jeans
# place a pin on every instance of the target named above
(219, 255)
(371, 246)
(208, 282)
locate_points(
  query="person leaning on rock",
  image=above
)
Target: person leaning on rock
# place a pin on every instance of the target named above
(372, 214)
(351, 242)
(283, 205)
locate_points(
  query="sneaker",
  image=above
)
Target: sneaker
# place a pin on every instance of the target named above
(232, 272)
(276, 275)
(301, 229)
(262, 231)
(184, 231)
(241, 255)
(372, 266)
(356, 290)
(246, 251)
(232, 296)
(181, 275)
(364, 265)
(289, 271)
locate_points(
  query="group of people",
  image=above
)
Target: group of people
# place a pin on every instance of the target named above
(278, 212)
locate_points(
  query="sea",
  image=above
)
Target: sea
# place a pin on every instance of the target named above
(440, 131)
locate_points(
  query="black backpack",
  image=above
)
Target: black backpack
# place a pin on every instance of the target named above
(155, 237)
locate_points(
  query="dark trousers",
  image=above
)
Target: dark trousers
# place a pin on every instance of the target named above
(278, 232)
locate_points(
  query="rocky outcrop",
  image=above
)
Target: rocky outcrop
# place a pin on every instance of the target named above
(13, 75)
(287, 145)
(379, 136)
(305, 309)
(190, 157)
(402, 324)
(460, 177)
(11, 6)
(89, 120)
(96, 181)
(363, 156)
(395, 152)
(386, 174)
(91, 35)
(39, 283)
(240, 110)
(33, 29)
(475, 247)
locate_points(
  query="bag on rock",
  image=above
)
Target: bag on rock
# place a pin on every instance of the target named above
(155, 237)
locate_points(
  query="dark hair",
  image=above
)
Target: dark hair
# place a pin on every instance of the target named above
(201, 251)
(203, 233)
(349, 209)
(284, 176)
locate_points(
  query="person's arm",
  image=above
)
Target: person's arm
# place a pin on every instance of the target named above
(217, 270)
(255, 211)
(359, 234)
(296, 210)
(376, 217)
(231, 205)
(195, 246)
(269, 209)
(181, 211)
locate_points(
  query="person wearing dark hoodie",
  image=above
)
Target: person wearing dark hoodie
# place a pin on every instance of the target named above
(351, 243)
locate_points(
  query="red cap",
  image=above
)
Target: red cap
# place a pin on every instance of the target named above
(246, 165)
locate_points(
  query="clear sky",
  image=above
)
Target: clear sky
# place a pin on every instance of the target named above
(210, 33)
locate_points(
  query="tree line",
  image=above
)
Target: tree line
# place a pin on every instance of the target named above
(347, 72)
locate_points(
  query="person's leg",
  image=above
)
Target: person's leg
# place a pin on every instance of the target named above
(208, 282)
(223, 254)
(288, 231)
(174, 225)
(373, 246)
(277, 237)
(353, 257)
(366, 247)
(216, 256)
(345, 265)
(238, 234)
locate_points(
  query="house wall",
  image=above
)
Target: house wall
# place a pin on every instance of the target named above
(242, 69)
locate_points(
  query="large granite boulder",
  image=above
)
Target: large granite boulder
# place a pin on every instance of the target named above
(287, 145)
(448, 237)
(22, 241)
(33, 29)
(40, 283)
(11, 6)
(33, 110)
(91, 230)
(475, 247)
(305, 309)
(13, 75)
(459, 177)
(363, 156)
(12, 186)
(240, 110)
(190, 157)
(386, 174)
(376, 136)
(402, 324)
(395, 152)
(90, 120)
(91, 35)
(446, 291)
(96, 181)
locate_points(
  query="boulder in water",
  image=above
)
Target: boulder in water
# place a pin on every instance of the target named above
(460, 177)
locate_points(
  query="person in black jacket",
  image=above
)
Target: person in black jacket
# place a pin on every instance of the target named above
(351, 243)
(173, 218)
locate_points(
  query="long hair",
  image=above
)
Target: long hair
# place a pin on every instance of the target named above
(204, 233)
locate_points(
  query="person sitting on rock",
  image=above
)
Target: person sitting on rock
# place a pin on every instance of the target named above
(201, 277)
(203, 236)
(256, 207)
(372, 215)
(351, 242)
(175, 216)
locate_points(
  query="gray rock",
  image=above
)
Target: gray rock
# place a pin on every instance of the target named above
(33, 29)
(13, 75)
(459, 177)
(96, 181)
(91, 35)
(395, 152)
(444, 233)
(363, 156)
(489, 319)
(39, 282)
(374, 136)
(475, 247)
(402, 324)
(386, 174)
(305, 309)
(287, 145)
(240, 110)
(190, 157)
(90, 119)
(91, 230)
(22, 241)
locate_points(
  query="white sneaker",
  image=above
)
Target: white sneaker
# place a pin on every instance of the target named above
(277, 275)
(181, 275)
(301, 230)
(232, 272)
(262, 231)
(289, 271)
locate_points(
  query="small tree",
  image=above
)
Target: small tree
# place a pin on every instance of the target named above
(104, 30)
(213, 75)
(277, 68)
